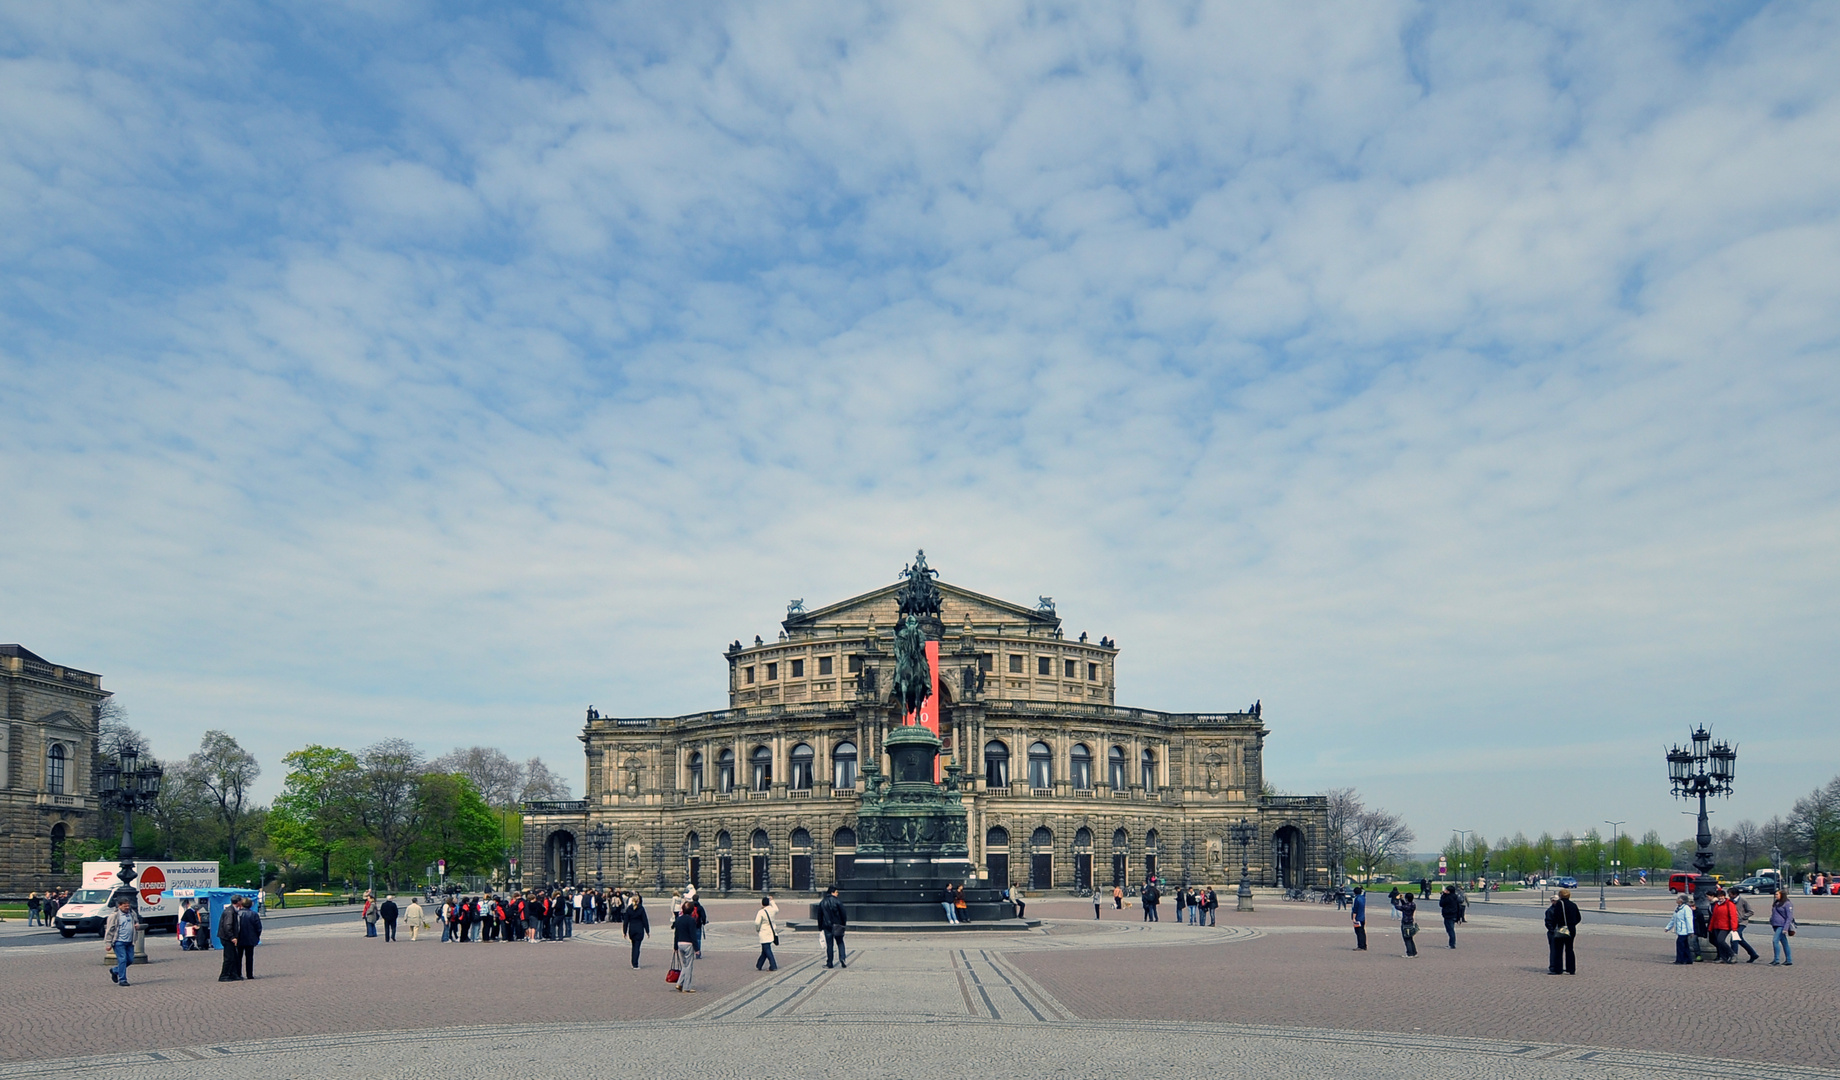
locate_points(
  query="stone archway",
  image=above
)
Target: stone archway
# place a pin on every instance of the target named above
(559, 857)
(1287, 857)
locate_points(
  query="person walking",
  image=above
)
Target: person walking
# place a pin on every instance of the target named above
(248, 934)
(1782, 928)
(1561, 928)
(370, 915)
(1681, 926)
(388, 912)
(637, 925)
(417, 918)
(832, 920)
(1450, 905)
(119, 933)
(1118, 898)
(767, 933)
(1722, 921)
(1408, 922)
(683, 938)
(226, 940)
(1745, 914)
(1151, 897)
(1359, 915)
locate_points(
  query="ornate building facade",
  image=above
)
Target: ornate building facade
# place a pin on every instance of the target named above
(1064, 788)
(47, 785)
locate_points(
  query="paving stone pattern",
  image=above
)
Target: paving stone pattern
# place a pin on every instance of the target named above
(1276, 992)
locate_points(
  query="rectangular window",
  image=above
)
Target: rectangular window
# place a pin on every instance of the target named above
(984, 664)
(824, 665)
(798, 669)
(1069, 668)
(772, 671)
(1015, 665)
(747, 674)
(1092, 672)
(1044, 666)
(856, 665)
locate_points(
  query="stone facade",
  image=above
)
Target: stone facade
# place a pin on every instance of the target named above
(1064, 788)
(47, 779)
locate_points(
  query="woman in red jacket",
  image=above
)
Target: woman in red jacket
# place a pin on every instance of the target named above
(1723, 921)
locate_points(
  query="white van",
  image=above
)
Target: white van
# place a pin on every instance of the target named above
(88, 909)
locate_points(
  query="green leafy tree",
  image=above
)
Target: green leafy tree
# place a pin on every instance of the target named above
(392, 773)
(453, 823)
(318, 805)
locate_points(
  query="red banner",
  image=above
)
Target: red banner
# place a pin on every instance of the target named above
(929, 709)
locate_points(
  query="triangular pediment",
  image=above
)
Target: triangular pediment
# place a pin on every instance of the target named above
(957, 605)
(66, 719)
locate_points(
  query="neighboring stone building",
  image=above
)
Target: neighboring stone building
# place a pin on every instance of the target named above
(47, 785)
(1067, 789)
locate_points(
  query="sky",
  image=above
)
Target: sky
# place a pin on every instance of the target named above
(1457, 380)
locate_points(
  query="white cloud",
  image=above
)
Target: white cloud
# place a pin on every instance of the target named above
(1461, 383)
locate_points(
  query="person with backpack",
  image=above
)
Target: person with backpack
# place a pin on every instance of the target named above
(1561, 928)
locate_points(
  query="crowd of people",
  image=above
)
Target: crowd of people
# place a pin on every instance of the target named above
(40, 910)
(1200, 904)
(1723, 921)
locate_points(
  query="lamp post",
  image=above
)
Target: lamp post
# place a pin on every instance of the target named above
(599, 836)
(1463, 852)
(1242, 835)
(1699, 769)
(127, 786)
(1485, 879)
(1615, 863)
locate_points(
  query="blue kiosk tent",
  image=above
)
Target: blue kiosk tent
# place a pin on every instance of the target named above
(213, 901)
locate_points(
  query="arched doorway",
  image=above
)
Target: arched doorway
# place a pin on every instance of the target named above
(1121, 854)
(762, 851)
(60, 835)
(1082, 859)
(844, 842)
(1153, 847)
(559, 857)
(996, 856)
(1287, 861)
(725, 861)
(801, 860)
(1041, 859)
(693, 852)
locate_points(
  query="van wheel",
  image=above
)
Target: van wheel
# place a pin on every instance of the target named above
(68, 931)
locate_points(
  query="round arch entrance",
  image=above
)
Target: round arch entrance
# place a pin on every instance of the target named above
(559, 857)
(1287, 857)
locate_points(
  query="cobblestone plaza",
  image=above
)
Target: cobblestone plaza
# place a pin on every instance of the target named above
(1276, 992)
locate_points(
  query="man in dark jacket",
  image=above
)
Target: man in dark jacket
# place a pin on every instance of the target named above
(389, 912)
(226, 940)
(832, 920)
(248, 934)
(1360, 919)
(638, 924)
(1450, 905)
(1561, 927)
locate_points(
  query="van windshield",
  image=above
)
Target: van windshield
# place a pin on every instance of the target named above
(91, 896)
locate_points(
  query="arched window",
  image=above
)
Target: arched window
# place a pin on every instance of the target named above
(801, 839)
(54, 769)
(1121, 840)
(844, 837)
(759, 841)
(60, 834)
(1153, 841)
(1042, 837)
(724, 842)
(1041, 765)
(760, 768)
(1081, 773)
(725, 771)
(802, 757)
(1116, 774)
(692, 843)
(997, 837)
(996, 764)
(1082, 840)
(696, 773)
(1149, 770)
(843, 765)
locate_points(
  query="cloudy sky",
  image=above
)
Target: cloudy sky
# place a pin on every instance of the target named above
(1460, 380)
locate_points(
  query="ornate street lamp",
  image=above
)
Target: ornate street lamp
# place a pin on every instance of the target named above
(1697, 770)
(1243, 832)
(600, 836)
(127, 786)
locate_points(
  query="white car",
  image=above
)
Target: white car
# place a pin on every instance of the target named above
(86, 910)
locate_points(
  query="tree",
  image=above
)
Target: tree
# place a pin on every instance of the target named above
(1815, 823)
(318, 805)
(1379, 838)
(392, 769)
(1344, 806)
(225, 771)
(494, 776)
(1745, 840)
(181, 811)
(541, 783)
(454, 823)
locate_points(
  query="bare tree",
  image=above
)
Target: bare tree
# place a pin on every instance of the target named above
(542, 783)
(1745, 838)
(1379, 837)
(1344, 806)
(113, 733)
(498, 779)
(225, 770)
(392, 772)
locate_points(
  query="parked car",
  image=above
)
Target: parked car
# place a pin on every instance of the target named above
(1758, 886)
(1567, 882)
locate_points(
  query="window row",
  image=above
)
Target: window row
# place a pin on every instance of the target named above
(1080, 762)
(826, 666)
(760, 769)
(1044, 668)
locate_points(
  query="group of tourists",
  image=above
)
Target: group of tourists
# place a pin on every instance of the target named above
(528, 915)
(1200, 904)
(40, 910)
(1723, 922)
